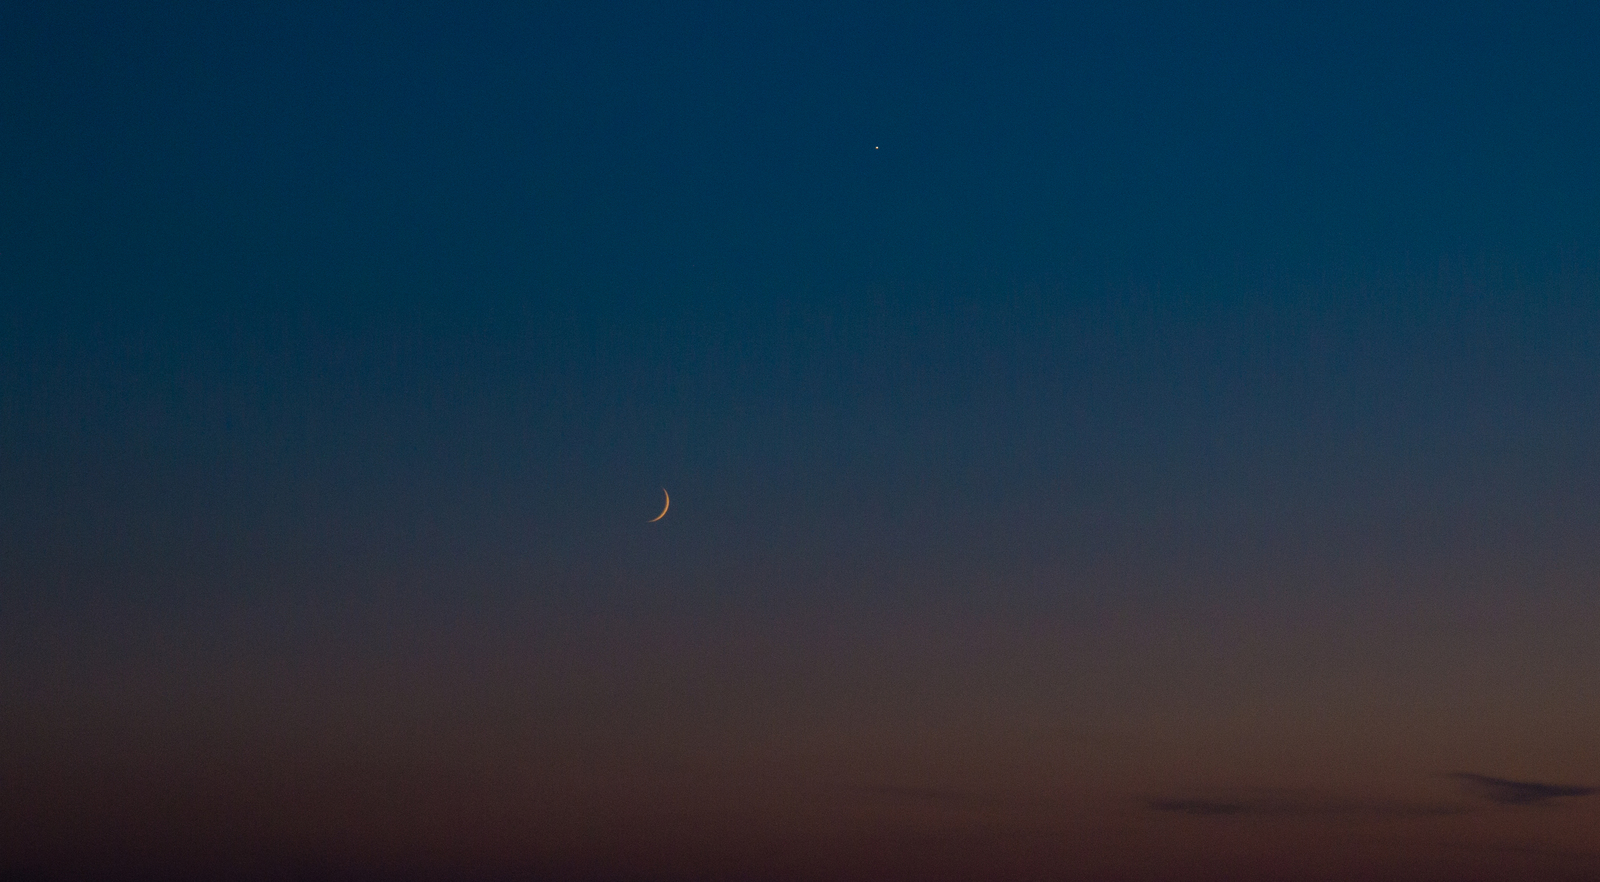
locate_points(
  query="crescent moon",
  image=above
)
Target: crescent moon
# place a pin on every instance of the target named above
(663, 508)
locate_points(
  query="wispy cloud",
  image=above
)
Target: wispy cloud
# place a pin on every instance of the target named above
(933, 797)
(1203, 806)
(925, 794)
(1259, 802)
(1292, 803)
(1504, 792)
(1541, 849)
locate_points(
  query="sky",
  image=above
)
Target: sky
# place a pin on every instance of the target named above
(1113, 442)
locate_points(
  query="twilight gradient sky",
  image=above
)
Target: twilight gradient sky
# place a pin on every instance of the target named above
(1142, 442)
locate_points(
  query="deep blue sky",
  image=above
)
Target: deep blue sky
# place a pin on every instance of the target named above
(1151, 373)
(616, 149)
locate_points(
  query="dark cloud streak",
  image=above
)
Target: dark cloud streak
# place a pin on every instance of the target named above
(1257, 804)
(1289, 803)
(1505, 792)
(930, 796)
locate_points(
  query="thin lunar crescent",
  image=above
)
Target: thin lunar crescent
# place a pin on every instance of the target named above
(663, 508)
